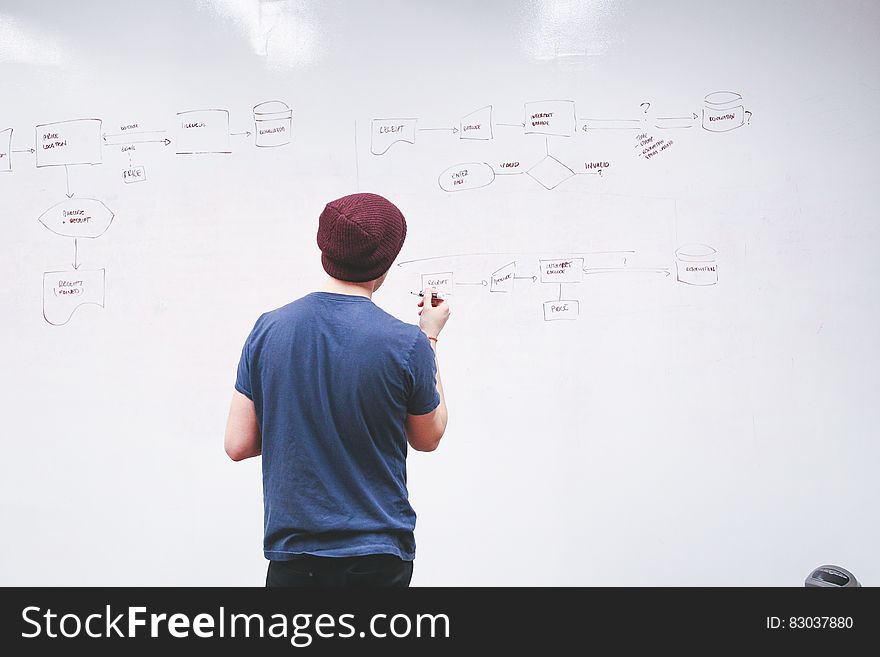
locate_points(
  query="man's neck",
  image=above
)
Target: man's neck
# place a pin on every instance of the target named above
(348, 287)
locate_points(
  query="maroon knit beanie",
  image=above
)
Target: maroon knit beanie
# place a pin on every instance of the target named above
(360, 236)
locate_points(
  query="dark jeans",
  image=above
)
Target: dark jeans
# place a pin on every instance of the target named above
(373, 570)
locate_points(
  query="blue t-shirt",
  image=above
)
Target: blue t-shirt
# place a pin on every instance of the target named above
(332, 378)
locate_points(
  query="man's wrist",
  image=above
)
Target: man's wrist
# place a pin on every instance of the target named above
(432, 339)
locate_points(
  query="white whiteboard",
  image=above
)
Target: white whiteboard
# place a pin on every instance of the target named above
(656, 222)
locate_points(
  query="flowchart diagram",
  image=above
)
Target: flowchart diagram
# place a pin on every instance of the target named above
(722, 111)
(84, 143)
(695, 264)
(649, 138)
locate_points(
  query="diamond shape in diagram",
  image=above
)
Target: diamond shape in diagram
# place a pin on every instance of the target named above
(549, 172)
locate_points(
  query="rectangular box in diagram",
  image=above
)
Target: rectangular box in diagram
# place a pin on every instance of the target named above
(202, 131)
(550, 117)
(134, 174)
(562, 270)
(69, 142)
(442, 282)
(6, 149)
(562, 309)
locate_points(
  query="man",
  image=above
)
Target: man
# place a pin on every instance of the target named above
(329, 390)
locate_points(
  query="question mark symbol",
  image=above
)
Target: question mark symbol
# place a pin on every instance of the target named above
(647, 106)
(749, 117)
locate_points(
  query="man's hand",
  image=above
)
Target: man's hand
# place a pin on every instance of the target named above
(433, 315)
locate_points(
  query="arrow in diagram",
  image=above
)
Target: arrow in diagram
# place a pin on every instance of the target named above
(121, 138)
(612, 270)
(676, 122)
(67, 181)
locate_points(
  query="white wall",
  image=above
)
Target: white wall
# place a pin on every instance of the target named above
(671, 434)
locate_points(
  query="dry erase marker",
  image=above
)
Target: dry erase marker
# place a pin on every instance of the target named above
(434, 296)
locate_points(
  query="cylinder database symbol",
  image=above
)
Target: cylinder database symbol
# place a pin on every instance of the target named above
(696, 265)
(273, 121)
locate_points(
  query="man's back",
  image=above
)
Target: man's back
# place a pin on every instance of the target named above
(330, 391)
(333, 378)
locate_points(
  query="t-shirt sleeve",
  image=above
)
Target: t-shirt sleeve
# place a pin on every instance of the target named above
(422, 367)
(243, 376)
